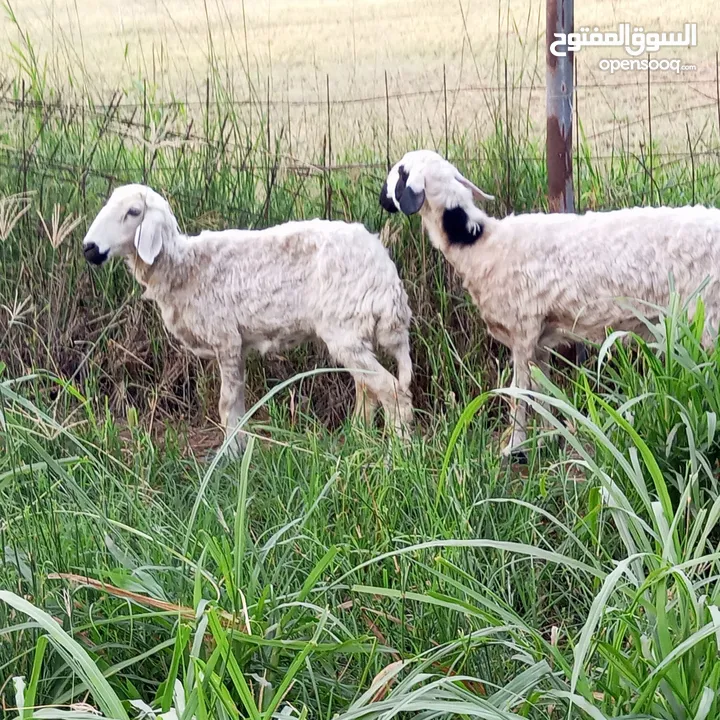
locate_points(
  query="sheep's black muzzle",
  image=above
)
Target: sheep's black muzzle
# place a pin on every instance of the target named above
(93, 255)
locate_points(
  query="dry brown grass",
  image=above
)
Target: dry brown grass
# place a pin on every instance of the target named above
(297, 44)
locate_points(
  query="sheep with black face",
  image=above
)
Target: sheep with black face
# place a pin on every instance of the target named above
(539, 279)
(225, 293)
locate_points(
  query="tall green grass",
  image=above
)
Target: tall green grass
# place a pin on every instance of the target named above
(327, 579)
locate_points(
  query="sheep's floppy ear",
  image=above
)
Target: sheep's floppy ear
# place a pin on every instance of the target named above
(151, 234)
(478, 194)
(410, 190)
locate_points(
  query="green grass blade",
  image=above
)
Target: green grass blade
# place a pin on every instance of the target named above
(79, 660)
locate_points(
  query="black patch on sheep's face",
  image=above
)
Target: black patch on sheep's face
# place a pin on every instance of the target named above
(385, 201)
(409, 200)
(455, 224)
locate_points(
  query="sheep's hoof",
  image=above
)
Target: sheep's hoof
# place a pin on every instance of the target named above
(581, 354)
(514, 456)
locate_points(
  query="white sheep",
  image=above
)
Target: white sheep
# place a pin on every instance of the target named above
(225, 293)
(538, 279)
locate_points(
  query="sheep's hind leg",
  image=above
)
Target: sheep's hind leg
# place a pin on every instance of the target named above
(232, 399)
(379, 381)
(398, 345)
(365, 402)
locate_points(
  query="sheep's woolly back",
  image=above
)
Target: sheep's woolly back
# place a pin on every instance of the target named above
(280, 286)
(584, 273)
(535, 276)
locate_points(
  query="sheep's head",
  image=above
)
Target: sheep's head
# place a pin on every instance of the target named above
(134, 220)
(423, 181)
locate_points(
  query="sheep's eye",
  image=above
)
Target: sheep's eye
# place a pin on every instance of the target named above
(133, 211)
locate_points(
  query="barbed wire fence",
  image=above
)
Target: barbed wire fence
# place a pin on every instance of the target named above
(225, 125)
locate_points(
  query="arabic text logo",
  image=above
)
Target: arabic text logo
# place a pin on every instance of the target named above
(635, 43)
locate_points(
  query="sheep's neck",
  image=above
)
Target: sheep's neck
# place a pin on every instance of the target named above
(167, 272)
(456, 254)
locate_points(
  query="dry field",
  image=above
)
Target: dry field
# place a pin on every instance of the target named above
(296, 50)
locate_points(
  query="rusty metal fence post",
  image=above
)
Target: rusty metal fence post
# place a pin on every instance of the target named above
(559, 93)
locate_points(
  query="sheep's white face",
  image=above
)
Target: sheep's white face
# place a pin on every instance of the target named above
(423, 181)
(131, 221)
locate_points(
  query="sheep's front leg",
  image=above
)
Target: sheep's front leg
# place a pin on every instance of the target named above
(232, 398)
(518, 409)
